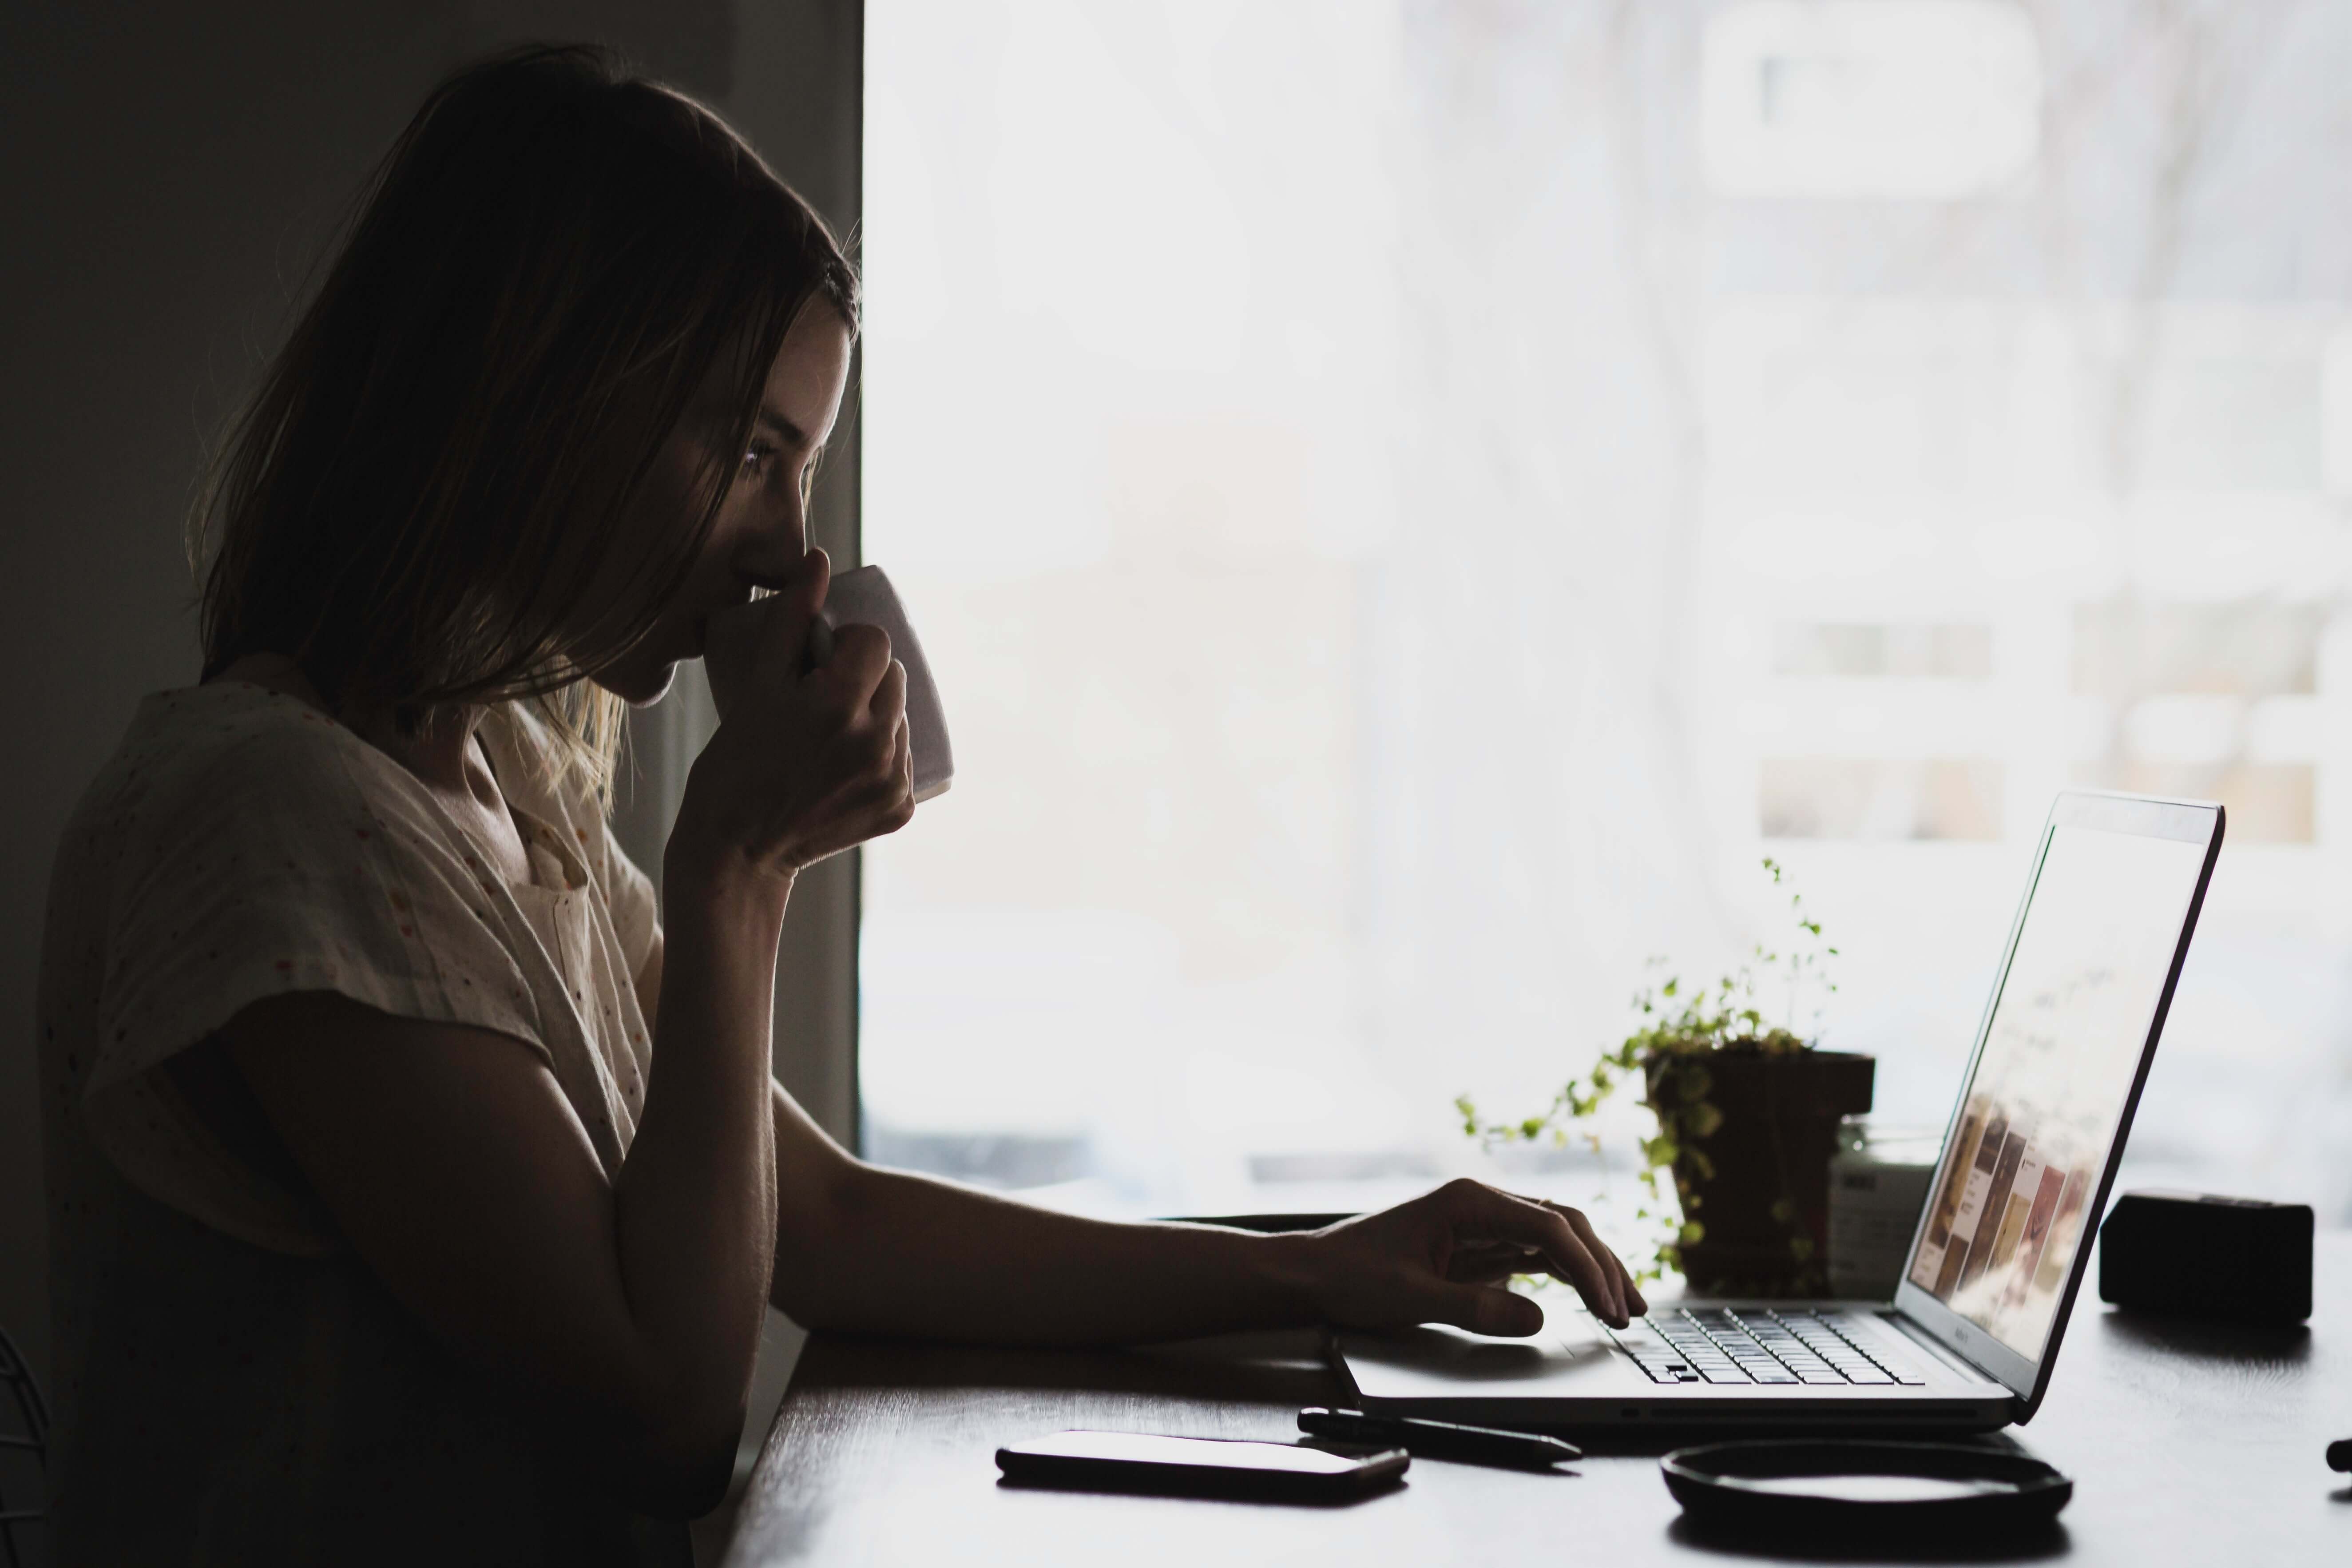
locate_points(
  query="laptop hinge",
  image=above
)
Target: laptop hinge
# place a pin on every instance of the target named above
(1956, 1361)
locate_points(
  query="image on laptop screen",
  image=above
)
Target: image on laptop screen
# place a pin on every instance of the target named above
(2060, 1053)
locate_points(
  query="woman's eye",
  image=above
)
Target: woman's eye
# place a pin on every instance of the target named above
(756, 460)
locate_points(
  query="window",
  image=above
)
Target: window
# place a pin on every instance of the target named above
(2216, 701)
(1920, 98)
(1931, 652)
(1407, 504)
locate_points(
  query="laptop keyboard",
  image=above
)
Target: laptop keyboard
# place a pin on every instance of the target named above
(1723, 1344)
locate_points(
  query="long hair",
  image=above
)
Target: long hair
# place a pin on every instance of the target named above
(422, 501)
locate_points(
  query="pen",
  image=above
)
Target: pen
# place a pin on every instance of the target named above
(1438, 1439)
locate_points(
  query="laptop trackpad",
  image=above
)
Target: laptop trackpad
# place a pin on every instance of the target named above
(1570, 1358)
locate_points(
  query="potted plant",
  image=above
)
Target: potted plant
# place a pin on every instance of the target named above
(1747, 1119)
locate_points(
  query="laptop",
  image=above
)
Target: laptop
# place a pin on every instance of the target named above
(1969, 1341)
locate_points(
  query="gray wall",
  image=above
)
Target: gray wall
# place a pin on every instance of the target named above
(169, 173)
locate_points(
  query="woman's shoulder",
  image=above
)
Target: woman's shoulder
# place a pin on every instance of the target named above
(228, 758)
(229, 740)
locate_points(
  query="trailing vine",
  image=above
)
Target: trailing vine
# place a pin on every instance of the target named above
(1679, 1028)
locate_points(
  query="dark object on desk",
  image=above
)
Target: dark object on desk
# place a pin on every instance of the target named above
(1922, 1491)
(2340, 1453)
(1440, 1439)
(2192, 1255)
(1198, 1466)
(1763, 1176)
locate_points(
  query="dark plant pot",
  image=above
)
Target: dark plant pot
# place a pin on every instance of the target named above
(1769, 1179)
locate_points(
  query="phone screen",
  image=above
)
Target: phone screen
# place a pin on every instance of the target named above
(1216, 1453)
(1140, 1461)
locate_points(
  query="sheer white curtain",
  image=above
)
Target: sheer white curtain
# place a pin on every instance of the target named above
(1545, 764)
(1409, 503)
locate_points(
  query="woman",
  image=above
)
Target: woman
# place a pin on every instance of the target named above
(417, 1193)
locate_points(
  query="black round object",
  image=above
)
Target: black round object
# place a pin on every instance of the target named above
(1803, 1488)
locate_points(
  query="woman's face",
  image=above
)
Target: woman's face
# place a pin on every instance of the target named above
(761, 530)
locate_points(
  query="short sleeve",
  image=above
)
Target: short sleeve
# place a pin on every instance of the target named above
(292, 858)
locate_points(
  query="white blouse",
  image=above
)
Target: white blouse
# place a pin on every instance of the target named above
(233, 1384)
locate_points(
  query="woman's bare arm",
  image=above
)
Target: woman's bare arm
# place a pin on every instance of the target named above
(872, 1250)
(452, 1161)
(462, 1176)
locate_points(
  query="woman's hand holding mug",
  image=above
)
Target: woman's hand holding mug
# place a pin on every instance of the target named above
(807, 762)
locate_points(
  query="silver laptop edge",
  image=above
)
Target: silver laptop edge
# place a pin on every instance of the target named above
(2187, 821)
(1980, 1382)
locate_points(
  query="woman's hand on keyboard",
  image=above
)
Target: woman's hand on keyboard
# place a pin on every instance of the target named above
(1444, 1258)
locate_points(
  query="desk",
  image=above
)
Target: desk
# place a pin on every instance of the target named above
(2187, 1445)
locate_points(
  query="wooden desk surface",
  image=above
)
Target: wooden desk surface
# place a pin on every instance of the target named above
(2187, 1445)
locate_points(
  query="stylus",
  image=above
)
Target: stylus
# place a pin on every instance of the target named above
(1438, 1439)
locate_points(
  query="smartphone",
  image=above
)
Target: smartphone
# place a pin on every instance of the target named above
(1199, 1467)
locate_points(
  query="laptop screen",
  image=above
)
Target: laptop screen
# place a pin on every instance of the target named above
(2061, 1051)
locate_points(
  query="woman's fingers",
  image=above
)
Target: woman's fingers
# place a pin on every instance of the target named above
(757, 645)
(861, 663)
(888, 706)
(785, 631)
(1484, 1213)
(1484, 1262)
(887, 713)
(1443, 1257)
(1628, 1294)
(811, 760)
(892, 793)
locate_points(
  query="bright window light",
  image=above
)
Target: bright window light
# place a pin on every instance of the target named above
(1407, 504)
(1916, 99)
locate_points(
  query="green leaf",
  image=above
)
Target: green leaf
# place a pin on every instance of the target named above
(1677, 1026)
